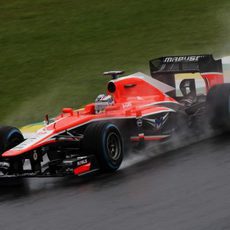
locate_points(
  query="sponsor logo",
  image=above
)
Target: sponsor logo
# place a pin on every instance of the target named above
(139, 122)
(82, 162)
(126, 105)
(35, 155)
(158, 122)
(182, 59)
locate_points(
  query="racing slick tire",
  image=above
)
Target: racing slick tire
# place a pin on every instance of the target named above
(9, 138)
(105, 141)
(218, 107)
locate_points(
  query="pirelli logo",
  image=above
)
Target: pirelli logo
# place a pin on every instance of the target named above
(182, 59)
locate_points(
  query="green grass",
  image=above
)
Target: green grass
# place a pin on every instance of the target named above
(53, 51)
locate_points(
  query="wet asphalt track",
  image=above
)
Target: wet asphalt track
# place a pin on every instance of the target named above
(184, 189)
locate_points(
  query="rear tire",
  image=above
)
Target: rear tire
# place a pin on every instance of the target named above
(218, 107)
(104, 140)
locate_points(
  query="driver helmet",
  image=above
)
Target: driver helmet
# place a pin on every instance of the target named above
(102, 101)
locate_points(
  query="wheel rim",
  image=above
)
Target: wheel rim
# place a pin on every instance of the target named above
(113, 146)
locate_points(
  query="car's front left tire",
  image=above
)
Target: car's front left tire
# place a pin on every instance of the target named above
(9, 138)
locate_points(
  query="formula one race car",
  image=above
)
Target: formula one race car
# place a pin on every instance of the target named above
(137, 109)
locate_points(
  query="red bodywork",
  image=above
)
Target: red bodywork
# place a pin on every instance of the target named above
(134, 97)
(137, 108)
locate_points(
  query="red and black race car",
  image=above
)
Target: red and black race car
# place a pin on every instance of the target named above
(136, 109)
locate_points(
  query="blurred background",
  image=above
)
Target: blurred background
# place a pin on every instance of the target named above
(53, 51)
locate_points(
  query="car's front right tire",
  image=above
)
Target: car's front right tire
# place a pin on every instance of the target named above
(105, 141)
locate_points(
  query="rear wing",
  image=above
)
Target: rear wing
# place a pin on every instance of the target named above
(186, 64)
(165, 68)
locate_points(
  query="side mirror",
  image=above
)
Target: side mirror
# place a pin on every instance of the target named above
(47, 120)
